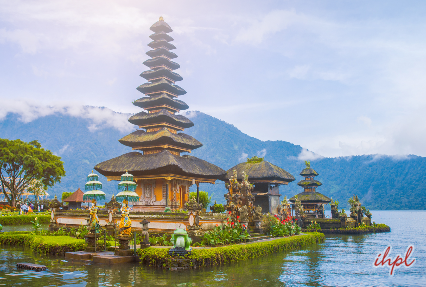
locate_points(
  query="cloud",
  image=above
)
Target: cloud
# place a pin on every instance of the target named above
(243, 157)
(62, 150)
(99, 117)
(299, 72)
(190, 114)
(308, 155)
(365, 120)
(261, 153)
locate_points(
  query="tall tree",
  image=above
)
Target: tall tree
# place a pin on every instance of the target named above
(21, 163)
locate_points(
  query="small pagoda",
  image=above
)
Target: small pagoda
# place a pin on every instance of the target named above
(312, 202)
(162, 173)
(75, 199)
(266, 179)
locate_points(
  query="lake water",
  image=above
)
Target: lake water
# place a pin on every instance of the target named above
(340, 261)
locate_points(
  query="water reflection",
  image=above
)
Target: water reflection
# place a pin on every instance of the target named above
(342, 260)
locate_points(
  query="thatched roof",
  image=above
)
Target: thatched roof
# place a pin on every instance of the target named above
(261, 171)
(160, 86)
(161, 72)
(160, 52)
(161, 43)
(309, 183)
(160, 163)
(161, 99)
(161, 26)
(161, 61)
(309, 172)
(77, 196)
(163, 115)
(161, 36)
(307, 197)
(140, 138)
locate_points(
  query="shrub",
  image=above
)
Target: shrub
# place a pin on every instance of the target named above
(16, 219)
(159, 257)
(314, 226)
(204, 198)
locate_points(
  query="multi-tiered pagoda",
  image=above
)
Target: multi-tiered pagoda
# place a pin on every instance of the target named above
(311, 200)
(163, 175)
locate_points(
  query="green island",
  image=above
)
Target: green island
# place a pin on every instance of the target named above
(154, 217)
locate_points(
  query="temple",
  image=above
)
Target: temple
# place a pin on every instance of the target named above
(311, 201)
(266, 179)
(163, 175)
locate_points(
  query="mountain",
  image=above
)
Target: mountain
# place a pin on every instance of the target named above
(381, 182)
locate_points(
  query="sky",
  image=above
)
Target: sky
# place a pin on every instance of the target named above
(339, 78)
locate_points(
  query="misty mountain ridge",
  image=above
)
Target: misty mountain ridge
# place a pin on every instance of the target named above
(82, 141)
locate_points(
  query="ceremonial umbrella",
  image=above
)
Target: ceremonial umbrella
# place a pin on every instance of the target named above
(93, 188)
(127, 187)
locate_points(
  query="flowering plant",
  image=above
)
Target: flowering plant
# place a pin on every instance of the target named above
(314, 226)
(36, 225)
(231, 232)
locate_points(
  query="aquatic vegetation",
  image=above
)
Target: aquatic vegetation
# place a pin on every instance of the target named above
(43, 244)
(159, 257)
(314, 226)
(231, 232)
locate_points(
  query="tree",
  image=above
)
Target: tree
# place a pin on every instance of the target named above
(37, 188)
(21, 163)
(204, 198)
(65, 195)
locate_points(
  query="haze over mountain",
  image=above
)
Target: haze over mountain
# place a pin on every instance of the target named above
(86, 138)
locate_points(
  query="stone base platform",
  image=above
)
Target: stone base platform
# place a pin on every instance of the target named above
(101, 257)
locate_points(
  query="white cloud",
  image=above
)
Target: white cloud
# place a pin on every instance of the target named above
(299, 72)
(99, 117)
(243, 157)
(261, 153)
(308, 155)
(365, 120)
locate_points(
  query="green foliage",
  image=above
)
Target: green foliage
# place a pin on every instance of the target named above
(255, 159)
(205, 199)
(43, 244)
(159, 257)
(226, 234)
(15, 219)
(21, 163)
(314, 226)
(36, 225)
(362, 228)
(160, 240)
(268, 222)
(272, 225)
(217, 208)
(66, 194)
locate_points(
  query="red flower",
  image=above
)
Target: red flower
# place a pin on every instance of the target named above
(238, 216)
(244, 226)
(217, 224)
(296, 219)
(232, 223)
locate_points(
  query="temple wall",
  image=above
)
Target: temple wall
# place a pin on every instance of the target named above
(158, 190)
(158, 223)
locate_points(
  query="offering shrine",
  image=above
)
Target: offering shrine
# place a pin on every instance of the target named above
(162, 173)
(311, 201)
(266, 179)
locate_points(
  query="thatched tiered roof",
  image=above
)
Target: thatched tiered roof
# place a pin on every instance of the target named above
(261, 172)
(311, 197)
(161, 143)
(159, 164)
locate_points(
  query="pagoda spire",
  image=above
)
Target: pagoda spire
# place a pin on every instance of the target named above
(309, 183)
(160, 122)
(162, 175)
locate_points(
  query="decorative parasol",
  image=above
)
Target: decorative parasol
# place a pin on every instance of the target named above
(127, 187)
(93, 188)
